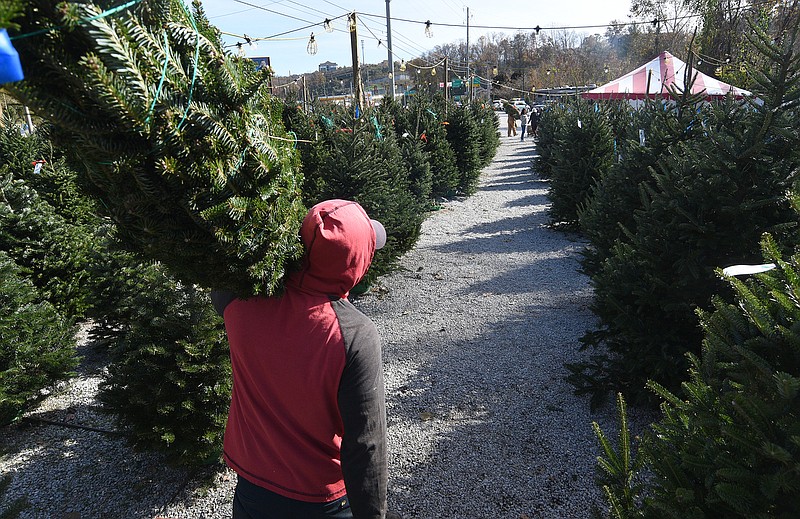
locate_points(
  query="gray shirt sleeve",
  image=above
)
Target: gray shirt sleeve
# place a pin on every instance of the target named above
(220, 299)
(363, 410)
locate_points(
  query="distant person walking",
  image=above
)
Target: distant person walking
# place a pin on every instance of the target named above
(513, 114)
(535, 116)
(523, 121)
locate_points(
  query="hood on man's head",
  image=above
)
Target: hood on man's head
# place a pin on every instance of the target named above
(340, 240)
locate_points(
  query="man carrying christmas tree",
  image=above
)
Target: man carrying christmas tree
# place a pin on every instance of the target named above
(513, 114)
(306, 430)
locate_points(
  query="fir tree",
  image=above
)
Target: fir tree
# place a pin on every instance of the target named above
(463, 134)
(419, 172)
(582, 152)
(424, 122)
(359, 159)
(488, 132)
(550, 124)
(54, 253)
(180, 140)
(417, 160)
(618, 195)
(37, 345)
(710, 201)
(729, 447)
(33, 159)
(169, 379)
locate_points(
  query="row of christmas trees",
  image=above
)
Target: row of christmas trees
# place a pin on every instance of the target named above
(161, 168)
(64, 261)
(666, 196)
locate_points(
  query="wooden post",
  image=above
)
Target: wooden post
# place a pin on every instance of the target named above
(389, 48)
(305, 95)
(446, 88)
(358, 88)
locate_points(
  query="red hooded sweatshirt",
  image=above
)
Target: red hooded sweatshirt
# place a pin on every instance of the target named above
(307, 417)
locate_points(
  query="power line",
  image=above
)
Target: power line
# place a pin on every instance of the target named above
(272, 11)
(413, 44)
(396, 35)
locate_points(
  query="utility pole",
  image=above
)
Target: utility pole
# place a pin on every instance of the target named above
(358, 87)
(389, 46)
(469, 79)
(446, 75)
(306, 95)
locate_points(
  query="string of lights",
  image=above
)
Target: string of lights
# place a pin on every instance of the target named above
(428, 24)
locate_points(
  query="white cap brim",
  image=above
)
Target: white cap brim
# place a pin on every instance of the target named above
(380, 234)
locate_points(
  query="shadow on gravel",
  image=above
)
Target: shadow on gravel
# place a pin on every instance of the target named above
(69, 462)
(500, 431)
(532, 200)
(56, 472)
(515, 180)
(507, 436)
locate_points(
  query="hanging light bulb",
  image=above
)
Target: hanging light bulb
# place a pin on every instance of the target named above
(605, 69)
(327, 25)
(240, 48)
(428, 31)
(433, 71)
(548, 72)
(311, 48)
(402, 65)
(250, 42)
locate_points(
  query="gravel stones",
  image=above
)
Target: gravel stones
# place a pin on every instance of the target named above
(476, 324)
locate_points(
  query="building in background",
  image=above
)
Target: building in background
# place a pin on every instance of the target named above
(328, 66)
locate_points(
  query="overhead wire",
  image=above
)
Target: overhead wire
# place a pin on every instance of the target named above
(262, 8)
(363, 17)
(395, 36)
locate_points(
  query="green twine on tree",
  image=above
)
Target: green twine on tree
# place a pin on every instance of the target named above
(196, 63)
(327, 122)
(377, 127)
(161, 81)
(109, 12)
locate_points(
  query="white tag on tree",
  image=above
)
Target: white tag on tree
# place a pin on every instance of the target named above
(580, 124)
(740, 270)
(641, 137)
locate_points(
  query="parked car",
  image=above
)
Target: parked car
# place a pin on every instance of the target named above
(497, 104)
(539, 108)
(520, 104)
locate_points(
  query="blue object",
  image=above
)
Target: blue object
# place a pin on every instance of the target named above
(10, 67)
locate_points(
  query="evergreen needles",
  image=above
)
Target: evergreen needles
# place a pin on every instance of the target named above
(182, 142)
(730, 447)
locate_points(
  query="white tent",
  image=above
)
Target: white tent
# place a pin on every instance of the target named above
(655, 79)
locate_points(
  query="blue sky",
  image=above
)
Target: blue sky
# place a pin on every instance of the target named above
(288, 24)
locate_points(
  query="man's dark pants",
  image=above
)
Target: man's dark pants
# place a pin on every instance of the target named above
(254, 502)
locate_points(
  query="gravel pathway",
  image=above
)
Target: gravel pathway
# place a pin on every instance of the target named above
(477, 323)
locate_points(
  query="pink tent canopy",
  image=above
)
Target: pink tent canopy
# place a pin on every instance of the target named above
(655, 78)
